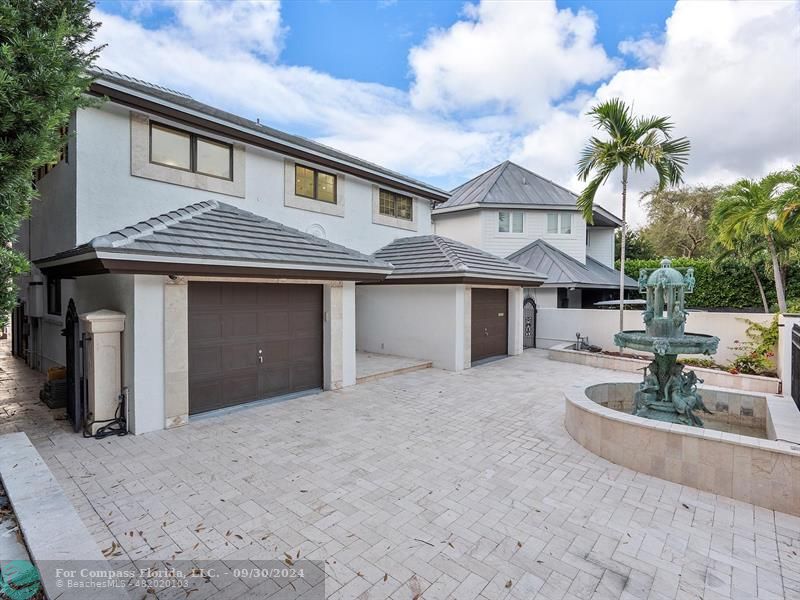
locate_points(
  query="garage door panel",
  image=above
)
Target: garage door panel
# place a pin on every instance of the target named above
(306, 377)
(489, 323)
(239, 294)
(206, 360)
(230, 322)
(240, 356)
(205, 326)
(207, 295)
(274, 324)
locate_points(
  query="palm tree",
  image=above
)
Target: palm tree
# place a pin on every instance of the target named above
(750, 207)
(748, 251)
(788, 200)
(633, 143)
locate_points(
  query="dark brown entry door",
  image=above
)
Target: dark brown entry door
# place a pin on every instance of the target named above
(249, 341)
(489, 323)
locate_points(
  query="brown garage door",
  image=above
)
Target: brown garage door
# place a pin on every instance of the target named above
(249, 341)
(489, 323)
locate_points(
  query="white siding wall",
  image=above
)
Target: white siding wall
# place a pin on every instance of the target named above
(600, 245)
(465, 226)
(109, 197)
(534, 228)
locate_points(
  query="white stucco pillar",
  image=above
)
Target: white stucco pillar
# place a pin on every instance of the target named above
(515, 318)
(103, 363)
(463, 327)
(176, 353)
(339, 348)
(785, 324)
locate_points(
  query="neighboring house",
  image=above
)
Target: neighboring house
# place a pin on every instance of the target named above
(512, 212)
(234, 251)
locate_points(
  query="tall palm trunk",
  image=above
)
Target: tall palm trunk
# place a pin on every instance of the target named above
(756, 276)
(776, 269)
(622, 251)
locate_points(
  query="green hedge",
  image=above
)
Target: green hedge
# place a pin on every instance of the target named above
(727, 286)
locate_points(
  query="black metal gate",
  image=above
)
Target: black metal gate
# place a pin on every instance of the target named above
(74, 367)
(529, 323)
(795, 368)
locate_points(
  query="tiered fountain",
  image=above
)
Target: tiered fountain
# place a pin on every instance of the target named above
(667, 392)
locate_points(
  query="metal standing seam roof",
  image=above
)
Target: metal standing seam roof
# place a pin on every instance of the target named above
(433, 255)
(510, 184)
(563, 270)
(218, 232)
(187, 102)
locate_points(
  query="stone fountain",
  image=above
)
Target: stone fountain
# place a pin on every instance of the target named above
(667, 392)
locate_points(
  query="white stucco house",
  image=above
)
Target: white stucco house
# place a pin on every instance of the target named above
(512, 212)
(235, 262)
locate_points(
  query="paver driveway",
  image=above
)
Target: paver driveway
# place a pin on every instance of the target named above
(431, 483)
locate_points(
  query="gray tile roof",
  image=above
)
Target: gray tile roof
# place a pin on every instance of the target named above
(186, 101)
(437, 256)
(218, 232)
(510, 184)
(563, 270)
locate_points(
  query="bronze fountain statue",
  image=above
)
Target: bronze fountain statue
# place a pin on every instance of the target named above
(667, 392)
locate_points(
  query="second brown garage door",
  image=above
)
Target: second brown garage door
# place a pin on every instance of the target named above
(249, 341)
(489, 323)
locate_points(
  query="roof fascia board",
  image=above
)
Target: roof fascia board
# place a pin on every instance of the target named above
(491, 205)
(140, 101)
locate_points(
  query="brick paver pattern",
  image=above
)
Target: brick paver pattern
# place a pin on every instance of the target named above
(426, 485)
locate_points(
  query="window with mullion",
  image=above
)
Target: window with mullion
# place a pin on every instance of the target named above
(396, 205)
(314, 184)
(178, 149)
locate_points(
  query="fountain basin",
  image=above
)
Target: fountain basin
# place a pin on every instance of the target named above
(688, 343)
(736, 465)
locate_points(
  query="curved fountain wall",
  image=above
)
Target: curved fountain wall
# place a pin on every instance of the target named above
(763, 472)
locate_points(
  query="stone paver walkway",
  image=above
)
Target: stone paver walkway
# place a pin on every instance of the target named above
(425, 485)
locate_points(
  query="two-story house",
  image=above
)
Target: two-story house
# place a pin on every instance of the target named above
(512, 212)
(247, 263)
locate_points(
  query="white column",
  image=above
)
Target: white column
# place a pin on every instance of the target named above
(463, 327)
(784, 358)
(103, 363)
(176, 353)
(339, 348)
(515, 317)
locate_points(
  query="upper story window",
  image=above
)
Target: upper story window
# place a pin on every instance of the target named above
(53, 296)
(509, 221)
(396, 205)
(314, 184)
(559, 222)
(179, 149)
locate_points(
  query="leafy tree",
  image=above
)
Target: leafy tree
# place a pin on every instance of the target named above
(677, 220)
(632, 143)
(753, 208)
(637, 246)
(749, 250)
(788, 201)
(45, 51)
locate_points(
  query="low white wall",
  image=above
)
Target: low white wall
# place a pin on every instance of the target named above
(417, 321)
(558, 325)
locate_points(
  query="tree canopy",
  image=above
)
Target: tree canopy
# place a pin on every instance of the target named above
(678, 220)
(45, 52)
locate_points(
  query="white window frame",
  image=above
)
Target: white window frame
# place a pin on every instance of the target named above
(512, 220)
(562, 218)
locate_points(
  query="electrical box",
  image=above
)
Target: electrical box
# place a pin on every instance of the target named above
(36, 299)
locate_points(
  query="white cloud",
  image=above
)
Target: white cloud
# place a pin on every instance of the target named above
(518, 56)
(506, 80)
(727, 73)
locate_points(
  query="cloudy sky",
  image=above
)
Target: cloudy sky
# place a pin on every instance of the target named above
(444, 90)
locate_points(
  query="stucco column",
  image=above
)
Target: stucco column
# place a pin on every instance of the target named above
(463, 327)
(176, 353)
(515, 320)
(784, 358)
(103, 363)
(339, 348)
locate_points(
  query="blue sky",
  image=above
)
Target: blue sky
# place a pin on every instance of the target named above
(444, 90)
